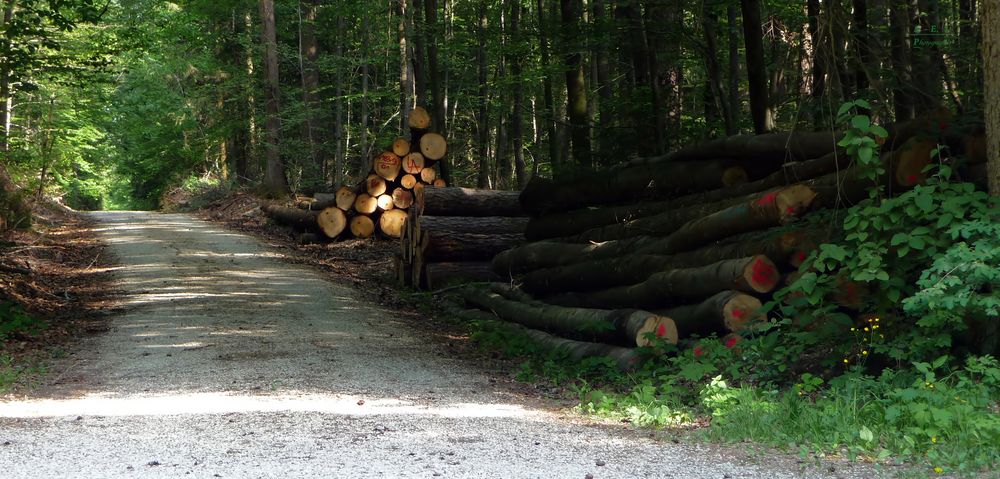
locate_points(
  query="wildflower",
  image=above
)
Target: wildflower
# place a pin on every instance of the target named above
(698, 352)
(876, 320)
(846, 361)
(934, 439)
(864, 353)
(854, 329)
(866, 329)
(938, 470)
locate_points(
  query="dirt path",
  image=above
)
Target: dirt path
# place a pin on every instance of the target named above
(231, 363)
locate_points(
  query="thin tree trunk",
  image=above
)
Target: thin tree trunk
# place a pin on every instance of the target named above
(756, 70)
(6, 96)
(437, 90)
(549, 108)
(516, 117)
(339, 156)
(274, 177)
(735, 105)
(308, 54)
(862, 41)
(709, 23)
(482, 123)
(991, 74)
(899, 52)
(419, 67)
(606, 110)
(405, 70)
(576, 88)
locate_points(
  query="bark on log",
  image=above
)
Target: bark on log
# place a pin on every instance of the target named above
(543, 196)
(436, 246)
(391, 222)
(291, 216)
(485, 225)
(451, 201)
(756, 274)
(632, 268)
(725, 312)
(433, 146)
(628, 326)
(362, 227)
(387, 165)
(438, 275)
(794, 146)
(332, 221)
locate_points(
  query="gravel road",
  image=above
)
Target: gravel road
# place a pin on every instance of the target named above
(228, 362)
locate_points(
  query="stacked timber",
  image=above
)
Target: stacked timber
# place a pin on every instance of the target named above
(698, 238)
(452, 234)
(379, 205)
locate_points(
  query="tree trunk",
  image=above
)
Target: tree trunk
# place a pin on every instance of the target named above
(626, 326)
(340, 149)
(454, 201)
(448, 246)
(606, 107)
(709, 23)
(292, 216)
(275, 183)
(517, 115)
(862, 41)
(576, 88)
(726, 312)
(755, 275)
(735, 105)
(6, 95)
(308, 55)
(482, 122)
(899, 52)
(434, 69)
(991, 69)
(819, 52)
(403, 34)
(548, 98)
(756, 68)
(439, 275)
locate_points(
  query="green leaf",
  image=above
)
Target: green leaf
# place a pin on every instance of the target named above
(866, 434)
(861, 122)
(899, 238)
(925, 202)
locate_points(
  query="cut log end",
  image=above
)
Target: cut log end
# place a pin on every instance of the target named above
(740, 311)
(419, 119)
(911, 161)
(439, 183)
(793, 201)
(761, 274)
(365, 204)
(387, 165)
(734, 175)
(428, 175)
(332, 221)
(660, 327)
(375, 185)
(413, 163)
(385, 202)
(402, 198)
(392, 222)
(362, 227)
(433, 146)
(401, 146)
(345, 198)
(408, 181)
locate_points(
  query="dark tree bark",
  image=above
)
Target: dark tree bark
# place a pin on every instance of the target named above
(735, 105)
(274, 177)
(899, 52)
(991, 70)
(308, 54)
(710, 23)
(437, 86)
(549, 107)
(6, 93)
(516, 122)
(483, 123)
(339, 155)
(756, 69)
(576, 88)
(606, 109)
(862, 41)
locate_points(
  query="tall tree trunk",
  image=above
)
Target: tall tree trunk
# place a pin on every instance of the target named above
(606, 110)
(405, 67)
(862, 41)
(926, 60)
(437, 89)
(735, 105)
(418, 58)
(899, 52)
(308, 54)
(340, 150)
(6, 94)
(756, 70)
(710, 23)
(548, 98)
(516, 117)
(576, 88)
(274, 176)
(991, 75)
(482, 123)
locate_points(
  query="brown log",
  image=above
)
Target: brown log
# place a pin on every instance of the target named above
(428, 175)
(781, 147)
(911, 160)
(725, 312)
(419, 119)
(387, 165)
(755, 274)
(375, 185)
(408, 181)
(438, 275)
(391, 222)
(402, 198)
(452, 201)
(438, 246)
(439, 183)
(362, 227)
(401, 147)
(366, 204)
(413, 163)
(308, 238)
(485, 225)
(630, 267)
(291, 216)
(402, 271)
(626, 326)
(433, 146)
(345, 198)
(332, 221)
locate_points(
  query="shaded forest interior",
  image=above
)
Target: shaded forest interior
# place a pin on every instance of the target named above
(115, 105)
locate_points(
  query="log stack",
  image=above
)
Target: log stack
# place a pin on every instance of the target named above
(698, 238)
(380, 204)
(452, 234)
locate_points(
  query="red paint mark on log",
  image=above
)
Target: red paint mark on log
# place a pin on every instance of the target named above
(764, 273)
(800, 256)
(738, 313)
(767, 199)
(912, 179)
(698, 352)
(790, 210)
(732, 342)
(661, 331)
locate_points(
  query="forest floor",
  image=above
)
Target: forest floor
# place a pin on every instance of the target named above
(230, 360)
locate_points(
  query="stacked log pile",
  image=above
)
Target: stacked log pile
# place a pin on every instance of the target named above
(698, 238)
(452, 234)
(380, 204)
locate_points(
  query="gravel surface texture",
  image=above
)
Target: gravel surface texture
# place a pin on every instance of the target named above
(228, 362)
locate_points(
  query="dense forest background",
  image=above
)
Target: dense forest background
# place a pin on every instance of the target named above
(115, 103)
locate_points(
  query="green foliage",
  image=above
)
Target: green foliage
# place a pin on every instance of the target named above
(14, 320)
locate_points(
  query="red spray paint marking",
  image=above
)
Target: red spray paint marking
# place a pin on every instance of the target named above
(764, 273)
(661, 331)
(698, 352)
(790, 210)
(911, 179)
(738, 313)
(767, 199)
(801, 256)
(732, 342)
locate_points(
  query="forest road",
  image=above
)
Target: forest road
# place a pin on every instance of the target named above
(228, 362)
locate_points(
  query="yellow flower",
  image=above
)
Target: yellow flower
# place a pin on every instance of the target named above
(866, 329)
(876, 320)
(865, 353)
(938, 470)
(846, 361)
(854, 329)
(934, 439)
